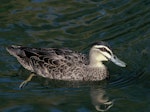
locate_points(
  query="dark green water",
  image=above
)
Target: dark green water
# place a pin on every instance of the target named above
(124, 24)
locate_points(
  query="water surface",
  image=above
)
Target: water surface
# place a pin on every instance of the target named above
(124, 24)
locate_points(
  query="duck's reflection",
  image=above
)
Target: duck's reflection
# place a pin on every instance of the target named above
(100, 100)
(98, 94)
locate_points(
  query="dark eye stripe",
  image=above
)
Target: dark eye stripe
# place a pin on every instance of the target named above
(105, 50)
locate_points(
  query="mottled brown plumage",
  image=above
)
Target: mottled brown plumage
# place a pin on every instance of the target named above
(65, 64)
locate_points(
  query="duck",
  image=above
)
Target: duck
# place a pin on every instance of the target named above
(65, 64)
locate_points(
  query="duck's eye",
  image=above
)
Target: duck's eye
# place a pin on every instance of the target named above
(104, 50)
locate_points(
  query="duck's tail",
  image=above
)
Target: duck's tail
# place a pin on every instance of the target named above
(15, 51)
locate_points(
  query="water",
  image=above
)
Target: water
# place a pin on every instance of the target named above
(75, 24)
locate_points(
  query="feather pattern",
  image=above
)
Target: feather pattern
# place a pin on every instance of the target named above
(64, 64)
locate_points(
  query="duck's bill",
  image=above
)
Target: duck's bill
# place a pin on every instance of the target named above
(117, 61)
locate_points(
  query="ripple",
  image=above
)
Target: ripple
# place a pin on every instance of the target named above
(128, 80)
(75, 24)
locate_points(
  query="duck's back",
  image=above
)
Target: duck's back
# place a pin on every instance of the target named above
(61, 64)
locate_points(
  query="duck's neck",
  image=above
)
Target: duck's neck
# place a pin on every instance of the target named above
(95, 59)
(96, 64)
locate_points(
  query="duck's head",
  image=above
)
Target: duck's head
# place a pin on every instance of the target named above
(101, 52)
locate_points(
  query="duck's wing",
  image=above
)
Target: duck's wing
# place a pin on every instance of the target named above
(43, 60)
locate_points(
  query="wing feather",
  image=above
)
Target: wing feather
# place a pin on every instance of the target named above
(46, 61)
